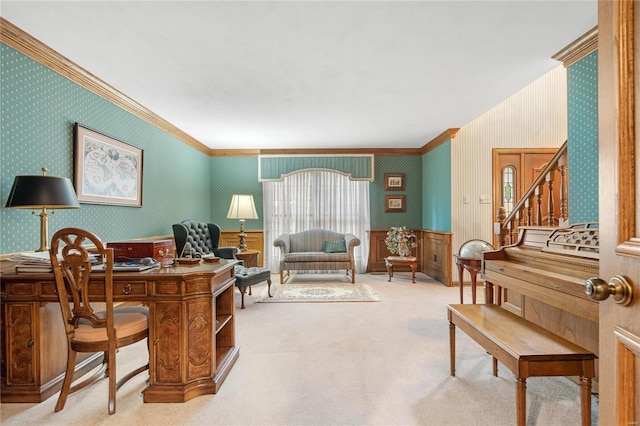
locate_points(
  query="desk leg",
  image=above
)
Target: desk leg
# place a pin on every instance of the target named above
(521, 401)
(460, 277)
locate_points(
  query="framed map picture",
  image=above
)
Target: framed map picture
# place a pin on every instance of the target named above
(394, 203)
(394, 181)
(106, 170)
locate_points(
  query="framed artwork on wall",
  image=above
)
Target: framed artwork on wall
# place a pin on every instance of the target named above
(394, 181)
(394, 203)
(106, 170)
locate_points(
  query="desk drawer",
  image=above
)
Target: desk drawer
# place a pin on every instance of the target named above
(121, 289)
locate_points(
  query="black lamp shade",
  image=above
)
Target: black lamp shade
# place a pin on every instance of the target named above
(34, 192)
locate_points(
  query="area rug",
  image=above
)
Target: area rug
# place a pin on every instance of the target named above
(319, 292)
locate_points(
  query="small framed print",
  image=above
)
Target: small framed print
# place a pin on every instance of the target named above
(394, 203)
(394, 181)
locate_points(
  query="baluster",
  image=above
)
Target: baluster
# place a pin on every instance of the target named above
(538, 194)
(513, 231)
(564, 202)
(551, 213)
(500, 228)
(527, 206)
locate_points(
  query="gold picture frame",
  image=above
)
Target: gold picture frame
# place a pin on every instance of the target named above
(394, 203)
(106, 170)
(394, 181)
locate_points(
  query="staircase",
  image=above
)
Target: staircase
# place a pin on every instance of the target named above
(528, 211)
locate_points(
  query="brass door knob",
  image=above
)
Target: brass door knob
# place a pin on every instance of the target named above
(621, 290)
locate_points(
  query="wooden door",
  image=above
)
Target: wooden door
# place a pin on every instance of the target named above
(619, 171)
(526, 164)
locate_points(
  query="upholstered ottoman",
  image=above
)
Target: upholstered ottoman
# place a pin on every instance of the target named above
(246, 277)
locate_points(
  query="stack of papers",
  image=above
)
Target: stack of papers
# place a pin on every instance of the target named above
(33, 262)
(37, 262)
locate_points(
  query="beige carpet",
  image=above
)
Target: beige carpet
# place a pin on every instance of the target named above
(384, 363)
(320, 292)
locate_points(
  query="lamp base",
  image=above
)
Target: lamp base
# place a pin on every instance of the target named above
(242, 245)
(44, 231)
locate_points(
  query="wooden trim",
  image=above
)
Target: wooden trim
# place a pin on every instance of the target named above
(439, 140)
(24, 43)
(578, 49)
(626, 125)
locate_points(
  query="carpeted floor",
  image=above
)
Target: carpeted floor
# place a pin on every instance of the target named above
(384, 363)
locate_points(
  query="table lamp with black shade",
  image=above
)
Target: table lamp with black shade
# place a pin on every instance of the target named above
(242, 207)
(34, 192)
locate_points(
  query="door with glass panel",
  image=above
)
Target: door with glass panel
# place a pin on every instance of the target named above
(514, 170)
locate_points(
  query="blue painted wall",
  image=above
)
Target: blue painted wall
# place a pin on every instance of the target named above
(582, 145)
(39, 108)
(436, 188)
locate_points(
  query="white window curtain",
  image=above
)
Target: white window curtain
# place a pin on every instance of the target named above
(316, 199)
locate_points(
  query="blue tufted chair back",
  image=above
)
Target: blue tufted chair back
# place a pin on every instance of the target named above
(194, 238)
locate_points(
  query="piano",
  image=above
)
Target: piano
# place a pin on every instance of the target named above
(541, 278)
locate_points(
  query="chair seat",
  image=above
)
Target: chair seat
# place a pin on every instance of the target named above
(126, 322)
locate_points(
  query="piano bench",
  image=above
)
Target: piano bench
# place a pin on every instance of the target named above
(527, 349)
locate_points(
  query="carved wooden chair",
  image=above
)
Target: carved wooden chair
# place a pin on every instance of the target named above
(89, 329)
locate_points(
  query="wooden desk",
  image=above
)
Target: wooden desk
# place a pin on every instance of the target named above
(473, 265)
(191, 331)
(400, 260)
(250, 257)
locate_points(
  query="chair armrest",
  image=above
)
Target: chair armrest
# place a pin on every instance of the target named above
(226, 252)
(283, 242)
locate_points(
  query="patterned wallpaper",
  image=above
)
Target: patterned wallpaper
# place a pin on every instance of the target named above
(436, 188)
(39, 108)
(582, 146)
(411, 166)
(234, 175)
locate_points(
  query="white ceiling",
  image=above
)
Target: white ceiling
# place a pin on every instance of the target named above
(310, 74)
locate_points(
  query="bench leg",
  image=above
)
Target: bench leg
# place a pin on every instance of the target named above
(585, 400)
(521, 401)
(495, 366)
(452, 348)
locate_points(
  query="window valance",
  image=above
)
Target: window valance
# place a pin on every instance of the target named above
(276, 167)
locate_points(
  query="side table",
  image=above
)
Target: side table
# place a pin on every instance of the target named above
(249, 257)
(473, 265)
(400, 260)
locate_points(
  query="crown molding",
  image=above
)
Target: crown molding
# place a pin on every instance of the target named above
(33, 48)
(21, 41)
(439, 140)
(581, 47)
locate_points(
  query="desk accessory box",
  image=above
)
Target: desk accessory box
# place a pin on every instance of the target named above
(137, 249)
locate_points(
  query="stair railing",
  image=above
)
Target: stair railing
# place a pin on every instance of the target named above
(528, 210)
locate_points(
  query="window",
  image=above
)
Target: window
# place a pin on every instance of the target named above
(316, 199)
